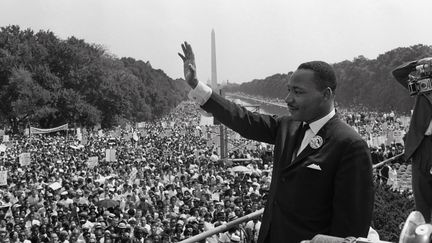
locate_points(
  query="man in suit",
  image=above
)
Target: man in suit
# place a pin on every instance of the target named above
(322, 176)
(418, 142)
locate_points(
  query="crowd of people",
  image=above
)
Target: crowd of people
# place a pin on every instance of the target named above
(165, 182)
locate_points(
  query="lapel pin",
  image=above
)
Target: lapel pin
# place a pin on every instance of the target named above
(316, 142)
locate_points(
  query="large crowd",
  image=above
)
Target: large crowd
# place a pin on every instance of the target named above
(165, 183)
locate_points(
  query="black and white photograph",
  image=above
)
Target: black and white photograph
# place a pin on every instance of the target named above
(215, 121)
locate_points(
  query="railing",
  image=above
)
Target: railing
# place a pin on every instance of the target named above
(223, 227)
(255, 214)
(388, 160)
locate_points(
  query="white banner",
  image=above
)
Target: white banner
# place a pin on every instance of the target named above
(34, 130)
(206, 120)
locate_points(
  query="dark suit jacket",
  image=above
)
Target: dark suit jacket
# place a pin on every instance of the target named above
(421, 116)
(303, 202)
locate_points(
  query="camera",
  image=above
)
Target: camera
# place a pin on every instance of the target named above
(420, 80)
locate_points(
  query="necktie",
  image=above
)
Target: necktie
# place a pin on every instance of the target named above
(300, 137)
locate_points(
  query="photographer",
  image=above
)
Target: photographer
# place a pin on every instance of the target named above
(416, 77)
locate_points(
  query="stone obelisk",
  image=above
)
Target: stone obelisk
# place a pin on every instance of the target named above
(214, 84)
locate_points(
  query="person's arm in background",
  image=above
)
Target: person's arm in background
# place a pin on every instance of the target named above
(248, 124)
(401, 73)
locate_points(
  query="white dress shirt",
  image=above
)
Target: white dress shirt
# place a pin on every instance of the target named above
(314, 128)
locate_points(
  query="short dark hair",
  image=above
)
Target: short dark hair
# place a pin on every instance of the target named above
(324, 72)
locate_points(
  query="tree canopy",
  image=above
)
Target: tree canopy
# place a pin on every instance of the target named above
(48, 81)
(361, 82)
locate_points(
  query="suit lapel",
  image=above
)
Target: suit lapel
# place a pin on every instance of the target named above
(308, 150)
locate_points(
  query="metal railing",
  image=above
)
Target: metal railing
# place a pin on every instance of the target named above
(231, 224)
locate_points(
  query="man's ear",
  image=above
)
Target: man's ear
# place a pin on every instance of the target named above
(328, 93)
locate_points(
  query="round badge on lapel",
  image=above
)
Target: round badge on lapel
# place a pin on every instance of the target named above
(316, 142)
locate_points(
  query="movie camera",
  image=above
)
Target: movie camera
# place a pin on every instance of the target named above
(420, 80)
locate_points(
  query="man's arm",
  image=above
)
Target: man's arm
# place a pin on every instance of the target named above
(248, 124)
(353, 192)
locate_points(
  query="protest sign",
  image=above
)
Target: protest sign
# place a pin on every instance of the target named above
(55, 186)
(398, 136)
(206, 120)
(164, 124)
(5, 138)
(24, 159)
(127, 136)
(84, 140)
(110, 155)
(140, 125)
(92, 162)
(3, 178)
(135, 136)
(133, 175)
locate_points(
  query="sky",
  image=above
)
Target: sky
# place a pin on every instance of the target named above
(254, 38)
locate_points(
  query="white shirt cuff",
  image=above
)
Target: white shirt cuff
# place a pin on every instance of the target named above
(429, 129)
(200, 94)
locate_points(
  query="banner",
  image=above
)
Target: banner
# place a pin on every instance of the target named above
(24, 159)
(110, 155)
(141, 125)
(34, 130)
(206, 120)
(3, 178)
(92, 162)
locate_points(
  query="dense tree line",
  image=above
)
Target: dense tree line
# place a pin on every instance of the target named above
(48, 81)
(361, 82)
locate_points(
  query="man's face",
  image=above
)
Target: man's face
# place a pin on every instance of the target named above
(305, 101)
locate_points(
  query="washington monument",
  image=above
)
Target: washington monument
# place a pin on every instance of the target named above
(214, 84)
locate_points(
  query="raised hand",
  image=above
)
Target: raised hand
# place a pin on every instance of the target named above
(189, 67)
